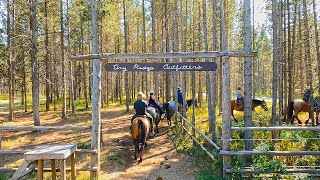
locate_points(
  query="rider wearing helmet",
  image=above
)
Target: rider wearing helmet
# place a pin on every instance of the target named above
(141, 109)
(152, 101)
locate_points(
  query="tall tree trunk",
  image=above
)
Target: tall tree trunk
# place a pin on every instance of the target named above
(166, 27)
(287, 62)
(55, 98)
(144, 49)
(24, 84)
(47, 61)
(254, 62)
(281, 56)
(154, 47)
(275, 64)
(10, 63)
(214, 73)
(200, 96)
(317, 39)
(34, 64)
(84, 74)
(302, 68)
(71, 88)
(308, 53)
(126, 51)
(64, 92)
(291, 62)
(208, 78)
(183, 23)
(248, 77)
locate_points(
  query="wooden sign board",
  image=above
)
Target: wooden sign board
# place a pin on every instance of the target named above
(162, 66)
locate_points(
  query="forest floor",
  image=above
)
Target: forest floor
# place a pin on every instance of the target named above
(161, 160)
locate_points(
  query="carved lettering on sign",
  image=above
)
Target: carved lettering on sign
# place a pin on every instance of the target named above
(171, 66)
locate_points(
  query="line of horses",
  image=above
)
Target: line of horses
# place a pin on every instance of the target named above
(141, 127)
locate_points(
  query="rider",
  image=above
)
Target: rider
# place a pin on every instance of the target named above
(239, 96)
(180, 96)
(152, 101)
(141, 109)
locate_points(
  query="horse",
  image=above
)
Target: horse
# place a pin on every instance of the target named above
(255, 103)
(316, 104)
(156, 116)
(140, 129)
(171, 110)
(297, 106)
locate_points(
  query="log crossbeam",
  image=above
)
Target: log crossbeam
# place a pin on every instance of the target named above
(173, 55)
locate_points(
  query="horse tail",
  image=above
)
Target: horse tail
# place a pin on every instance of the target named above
(142, 129)
(290, 109)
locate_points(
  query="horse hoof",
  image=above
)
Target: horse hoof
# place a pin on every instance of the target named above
(135, 158)
(140, 160)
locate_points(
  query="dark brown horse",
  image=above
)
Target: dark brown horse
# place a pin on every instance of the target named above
(255, 103)
(297, 106)
(140, 129)
(307, 98)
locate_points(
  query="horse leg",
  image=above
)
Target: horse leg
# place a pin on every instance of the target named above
(307, 121)
(141, 151)
(136, 148)
(234, 117)
(157, 129)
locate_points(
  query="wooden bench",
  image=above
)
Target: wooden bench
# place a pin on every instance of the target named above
(48, 152)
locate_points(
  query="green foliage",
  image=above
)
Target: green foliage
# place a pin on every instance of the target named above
(3, 176)
(206, 169)
(267, 163)
(84, 145)
(116, 157)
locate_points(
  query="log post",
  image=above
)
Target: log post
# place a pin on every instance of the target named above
(226, 111)
(96, 96)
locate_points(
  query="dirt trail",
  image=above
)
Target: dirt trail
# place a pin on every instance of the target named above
(160, 157)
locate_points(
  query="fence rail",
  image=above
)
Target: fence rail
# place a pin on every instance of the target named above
(317, 128)
(253, 171)
(203, 135)
(273, 153)
(43, 128)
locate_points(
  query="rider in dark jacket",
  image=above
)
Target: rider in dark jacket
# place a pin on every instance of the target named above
(152, 101)
(180, 96)
(141, 109)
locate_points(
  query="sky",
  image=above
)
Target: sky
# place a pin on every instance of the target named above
(260, 14)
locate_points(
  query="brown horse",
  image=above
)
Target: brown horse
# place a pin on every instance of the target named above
(255, 103)
(297, 106)
(140, 129)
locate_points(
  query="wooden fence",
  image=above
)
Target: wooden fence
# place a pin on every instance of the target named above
(314, 170)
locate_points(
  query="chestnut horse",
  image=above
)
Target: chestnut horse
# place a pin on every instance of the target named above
(255, 103)
(140, 129)
(297, 106)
